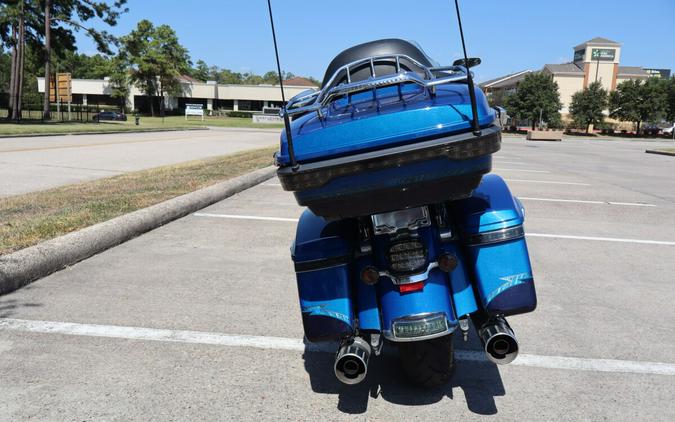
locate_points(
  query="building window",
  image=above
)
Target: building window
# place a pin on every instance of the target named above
(223, 104)
(250, 105)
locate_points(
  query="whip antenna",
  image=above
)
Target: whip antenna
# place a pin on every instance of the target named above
(469, 78)
(287, 123)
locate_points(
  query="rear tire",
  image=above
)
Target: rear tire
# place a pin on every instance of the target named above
(428, 363)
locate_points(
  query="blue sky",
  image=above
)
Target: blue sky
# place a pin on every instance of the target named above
(508, 35)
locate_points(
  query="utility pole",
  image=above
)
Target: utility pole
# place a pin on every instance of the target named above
(47, 52)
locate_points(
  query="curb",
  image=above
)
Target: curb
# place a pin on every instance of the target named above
(656, 151)
(27, 265)
(104, 132)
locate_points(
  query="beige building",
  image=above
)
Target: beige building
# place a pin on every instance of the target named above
(211, 95)
(594, 60)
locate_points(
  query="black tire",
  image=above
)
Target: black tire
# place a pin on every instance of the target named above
(428, 363)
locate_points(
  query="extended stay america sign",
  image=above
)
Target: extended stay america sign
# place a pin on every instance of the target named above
(603, 54)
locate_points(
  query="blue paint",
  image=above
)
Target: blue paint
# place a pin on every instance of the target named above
(460, 285)
(330, 308)
(491, 207)
(364, 127)
(325, 292)
(435, 297)
(502, 271)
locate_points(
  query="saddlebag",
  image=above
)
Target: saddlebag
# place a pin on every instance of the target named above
(492, 226)
(322, 258)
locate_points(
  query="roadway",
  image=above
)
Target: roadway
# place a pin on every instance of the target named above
(30, 164)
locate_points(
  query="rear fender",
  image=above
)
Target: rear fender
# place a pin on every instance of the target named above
(432, 299)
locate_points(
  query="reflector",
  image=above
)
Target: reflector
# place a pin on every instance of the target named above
(412, 287)
(370, 275)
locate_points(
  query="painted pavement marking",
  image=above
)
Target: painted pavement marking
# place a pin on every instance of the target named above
(291, 344)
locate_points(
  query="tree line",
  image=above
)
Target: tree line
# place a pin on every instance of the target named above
(46, 27)
(37, 39)
(636, 101)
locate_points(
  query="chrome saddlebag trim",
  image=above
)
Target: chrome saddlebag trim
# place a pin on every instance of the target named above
(496, 236)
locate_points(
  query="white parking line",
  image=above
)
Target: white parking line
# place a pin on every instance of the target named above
(280, 343)
(550, 182)
(553, 236)
(497, 160)
(602, 239)
(581, 201)
(522, 170)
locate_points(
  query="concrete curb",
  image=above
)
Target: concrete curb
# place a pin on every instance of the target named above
(100, 132)
(26, 265)
(656, 151)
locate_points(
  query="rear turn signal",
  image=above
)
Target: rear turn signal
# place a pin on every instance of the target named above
(447, 262)
(370, 275)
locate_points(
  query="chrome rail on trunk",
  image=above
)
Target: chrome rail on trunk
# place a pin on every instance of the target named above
(313, 100)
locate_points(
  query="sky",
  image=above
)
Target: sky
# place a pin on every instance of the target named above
(508, 36)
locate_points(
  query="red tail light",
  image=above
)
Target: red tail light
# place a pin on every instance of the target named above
(412, 287)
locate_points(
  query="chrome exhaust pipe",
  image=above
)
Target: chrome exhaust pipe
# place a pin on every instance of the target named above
(500, 343)
(351, 361)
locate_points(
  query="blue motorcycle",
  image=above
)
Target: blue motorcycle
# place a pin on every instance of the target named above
(405, 236)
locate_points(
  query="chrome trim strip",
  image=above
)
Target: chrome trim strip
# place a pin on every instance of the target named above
(407, 279)
(389, 334)
(496, 236)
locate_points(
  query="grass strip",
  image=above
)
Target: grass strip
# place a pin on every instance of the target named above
(28, 219)
(147, 123)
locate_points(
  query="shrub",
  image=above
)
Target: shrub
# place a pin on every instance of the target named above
(244, 114)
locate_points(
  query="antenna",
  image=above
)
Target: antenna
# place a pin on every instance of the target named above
(469, 78)
(287, 123)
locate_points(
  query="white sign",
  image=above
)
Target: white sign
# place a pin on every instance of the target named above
(267, 118)
(194, 110)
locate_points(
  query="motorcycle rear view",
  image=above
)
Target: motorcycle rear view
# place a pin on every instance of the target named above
(406, 237)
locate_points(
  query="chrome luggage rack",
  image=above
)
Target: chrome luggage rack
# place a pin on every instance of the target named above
(315, 100)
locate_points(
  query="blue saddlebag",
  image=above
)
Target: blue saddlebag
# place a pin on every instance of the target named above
(322, 257)
(492, 224)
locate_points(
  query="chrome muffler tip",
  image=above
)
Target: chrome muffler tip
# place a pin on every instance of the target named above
(351, 361)
(501, 345)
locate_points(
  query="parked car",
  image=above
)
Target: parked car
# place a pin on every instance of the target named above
(109, 115)
(651, 129)
(668, 130)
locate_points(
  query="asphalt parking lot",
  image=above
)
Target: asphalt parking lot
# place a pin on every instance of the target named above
(199, 318)
(43, 162)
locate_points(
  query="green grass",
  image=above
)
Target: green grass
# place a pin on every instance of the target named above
(147, 123)
(26, 220)
(194, 121)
